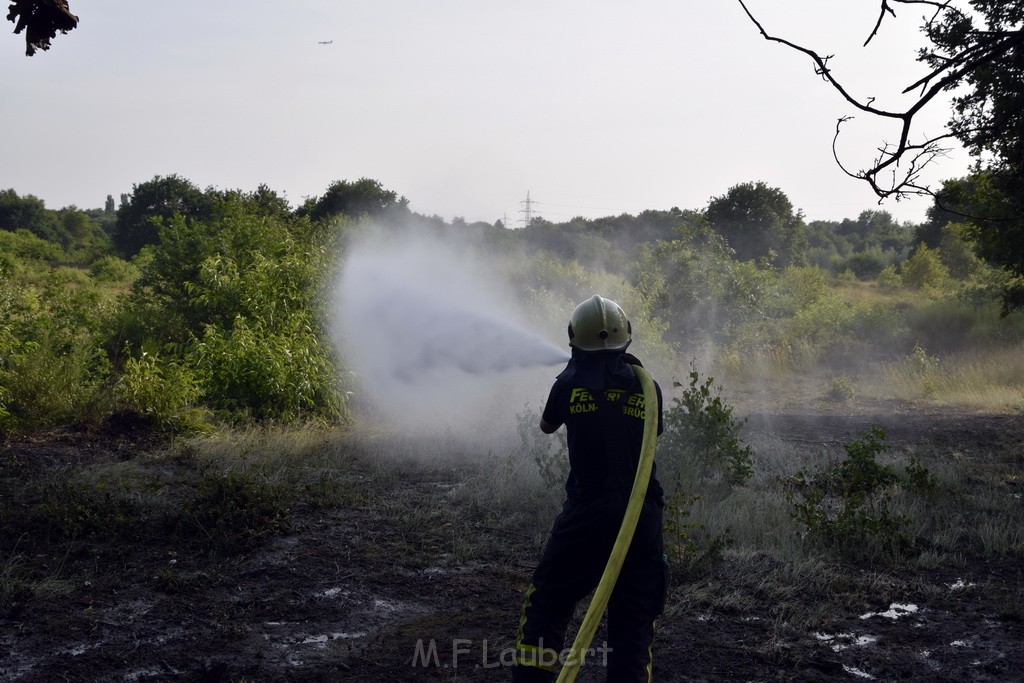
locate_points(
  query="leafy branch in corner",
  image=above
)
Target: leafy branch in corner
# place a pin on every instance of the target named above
(40, 20)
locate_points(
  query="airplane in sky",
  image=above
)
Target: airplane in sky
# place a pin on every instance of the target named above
(325, 42)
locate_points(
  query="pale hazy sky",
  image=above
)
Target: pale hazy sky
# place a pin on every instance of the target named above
(595, 107)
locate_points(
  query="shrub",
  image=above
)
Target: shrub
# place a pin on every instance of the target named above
(47, 382)
(925, 269)
(840, 390)
(164, 391)
(266, 374)
(25, 245)
(551, 455)
(801, 286)
(866, 265)
(701, 438)
(236, 298)
(845, 509)
(113, 269)
(889, 279)
(65, 275)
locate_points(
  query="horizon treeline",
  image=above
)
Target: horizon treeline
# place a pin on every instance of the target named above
(758, 222)
(191, 306)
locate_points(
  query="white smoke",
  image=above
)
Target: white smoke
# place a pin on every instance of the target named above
(434, 336)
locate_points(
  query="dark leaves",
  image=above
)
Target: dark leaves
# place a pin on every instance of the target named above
(40, 19)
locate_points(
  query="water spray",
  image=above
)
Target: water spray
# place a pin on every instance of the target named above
(413, 320)
(426, 328)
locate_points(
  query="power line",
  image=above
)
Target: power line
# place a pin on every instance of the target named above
(576, 206)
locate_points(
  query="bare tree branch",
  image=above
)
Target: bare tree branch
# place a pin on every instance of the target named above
(896, 171)
(878, 24)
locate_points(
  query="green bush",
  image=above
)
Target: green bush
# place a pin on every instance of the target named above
(236, 299)
(925, 269)
(889, 279)
(62, 276)
(846, 510)
(701, 438)
(266, 374)
(49, 382)
(25, 245)
(164, 391)
(799, 287)
(113, 269)
(866, 265)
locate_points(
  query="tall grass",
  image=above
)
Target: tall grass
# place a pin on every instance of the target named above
(990, 380)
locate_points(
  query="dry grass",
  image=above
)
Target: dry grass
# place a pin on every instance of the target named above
(989, 381)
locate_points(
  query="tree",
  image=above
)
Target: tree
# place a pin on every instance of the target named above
(28, 212)
(925, 269)
(353, 199)
(976, 51)
(150, 205)
(759, 223)
(875, 229)
(41, 19)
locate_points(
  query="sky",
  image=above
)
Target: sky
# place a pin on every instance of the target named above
(594, 107)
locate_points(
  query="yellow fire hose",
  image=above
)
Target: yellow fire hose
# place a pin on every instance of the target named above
(598, 604)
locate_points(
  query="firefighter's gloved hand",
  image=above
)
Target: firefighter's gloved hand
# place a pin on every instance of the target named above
(631, 359)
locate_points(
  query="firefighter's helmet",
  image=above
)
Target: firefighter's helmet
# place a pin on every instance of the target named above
(599, 324)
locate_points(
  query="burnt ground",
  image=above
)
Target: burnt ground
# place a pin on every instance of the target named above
(350, 594)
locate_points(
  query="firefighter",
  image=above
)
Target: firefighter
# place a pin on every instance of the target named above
(600, 402)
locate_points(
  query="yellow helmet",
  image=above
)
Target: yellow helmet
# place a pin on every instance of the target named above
(599, 324)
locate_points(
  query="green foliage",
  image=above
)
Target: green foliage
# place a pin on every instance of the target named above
(889, 279)
(696, 285)
(553, 288)
(846, 509)
(548, 451)
(237, 299)
(49, 383)
(687, 543)
(28, 213)
(24, 245)
(265, 374)
(860, 473)
(925, 269)
(867, 265)
(926, 366)
(52, 366)
(956, 253)
(151, 204)
(354, 199)
(113, 269)
(801, 286)
(988, 118)
(759, 223)
(955, 323)
(701, 438)
(920, 479)
(164, 391)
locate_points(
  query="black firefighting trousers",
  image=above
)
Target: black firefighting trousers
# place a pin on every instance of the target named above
(571, 567)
